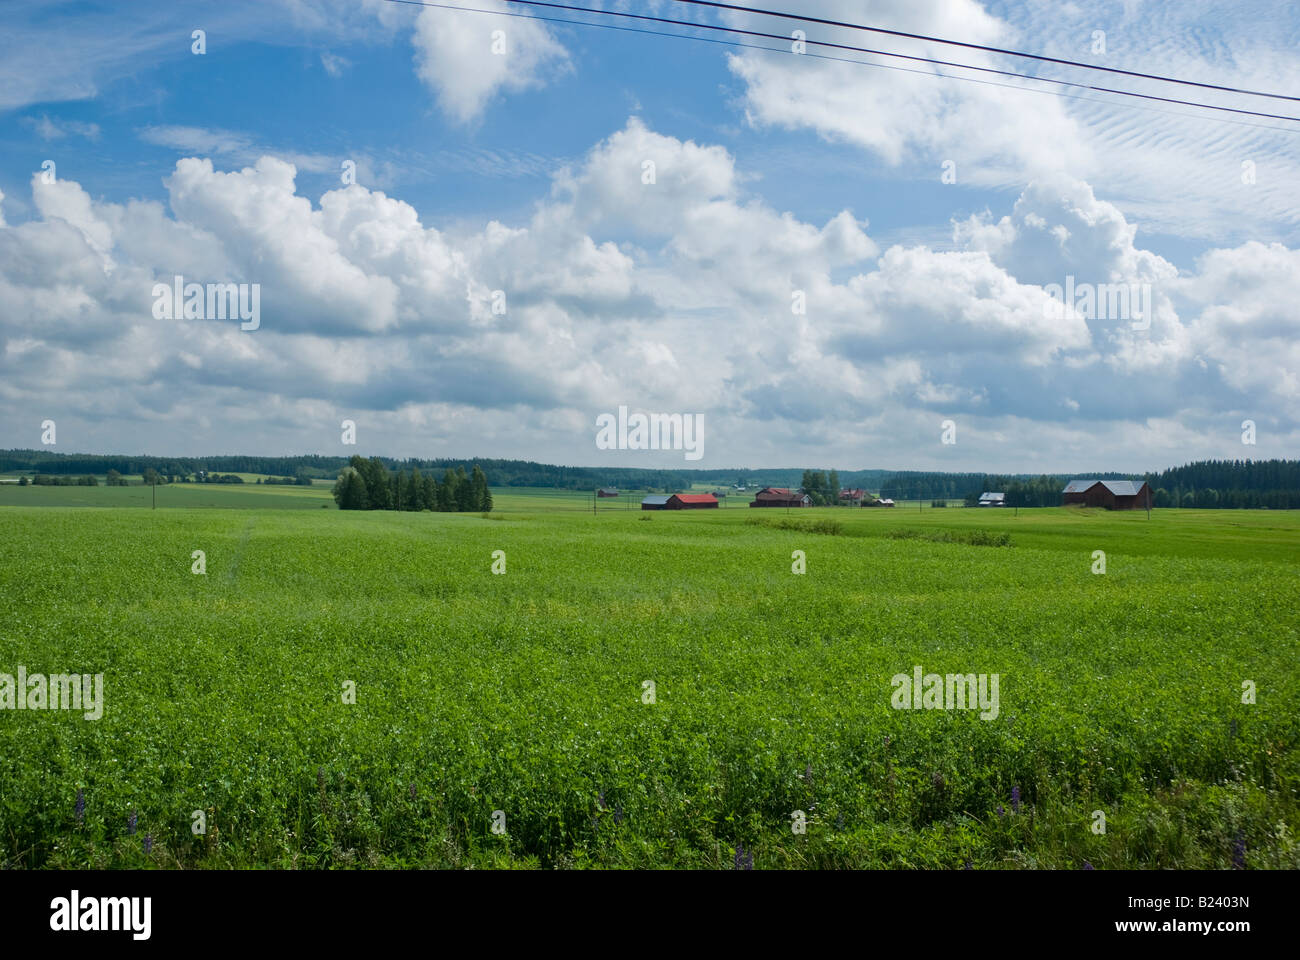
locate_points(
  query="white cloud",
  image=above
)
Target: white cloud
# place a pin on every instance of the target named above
(48, 129)
(334, 64)
(470, 58)
(672, 296)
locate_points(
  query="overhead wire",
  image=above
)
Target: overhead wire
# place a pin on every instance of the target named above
(459, 7)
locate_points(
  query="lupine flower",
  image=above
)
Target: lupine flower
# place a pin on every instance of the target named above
(740, 856)
(1239, 851)
(413, 791)
(968, 865)
(807, 774)
(618, 814)
(130, 823)
(81, 805)
(148, 843)
(1001, 812)
(1087, 865)
(1015, 799)
(601, 801)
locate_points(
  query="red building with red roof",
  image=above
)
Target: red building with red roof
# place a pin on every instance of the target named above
(691, 501)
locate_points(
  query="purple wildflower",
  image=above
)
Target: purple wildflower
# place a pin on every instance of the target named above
(1015, 799)
(413, 792)
(1001, 812)
(148, 843)
(1087, 865)
(967, 866)
(601, 801)
(81, 805)
(130, 823)
(1239, 851)
(618, 814)
(744, 860)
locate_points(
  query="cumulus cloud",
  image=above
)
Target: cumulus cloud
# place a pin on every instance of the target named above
(469, 58)
(684, 292)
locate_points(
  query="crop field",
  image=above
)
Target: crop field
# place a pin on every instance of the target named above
(360, 689)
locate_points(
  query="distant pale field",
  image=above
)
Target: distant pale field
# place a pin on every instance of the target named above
(523, 692)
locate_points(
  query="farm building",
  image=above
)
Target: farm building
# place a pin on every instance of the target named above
(873, 502)
(855, 495)
(993, 499)
(780, 497)
(658, 501)
(607, 492)
(691, 501)
(1111, 494)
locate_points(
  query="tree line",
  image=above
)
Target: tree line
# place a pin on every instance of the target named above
(44, 480)
(370, 485)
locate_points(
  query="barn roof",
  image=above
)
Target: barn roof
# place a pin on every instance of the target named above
(1120, 488)
(695, 497)
(1123, 488)
(993, 496)
(656, 499)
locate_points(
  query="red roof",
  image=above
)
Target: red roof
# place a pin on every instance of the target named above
(696, 497)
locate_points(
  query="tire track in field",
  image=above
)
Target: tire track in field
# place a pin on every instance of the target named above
(233, 571)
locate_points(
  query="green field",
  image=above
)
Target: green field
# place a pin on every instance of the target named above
(523, 692)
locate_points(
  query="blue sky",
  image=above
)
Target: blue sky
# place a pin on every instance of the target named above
(520, 172)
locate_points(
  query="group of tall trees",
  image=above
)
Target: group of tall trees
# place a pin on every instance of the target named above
(823, 489)
(45, 480)
(369, 485)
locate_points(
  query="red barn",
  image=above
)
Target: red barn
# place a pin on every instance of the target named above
(691, 501)
(779, 497)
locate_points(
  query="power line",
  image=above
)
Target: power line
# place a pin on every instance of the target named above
(977, 46)
(784, 50)
(884, 53)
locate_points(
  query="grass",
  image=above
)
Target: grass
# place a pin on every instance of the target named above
(524, 692)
